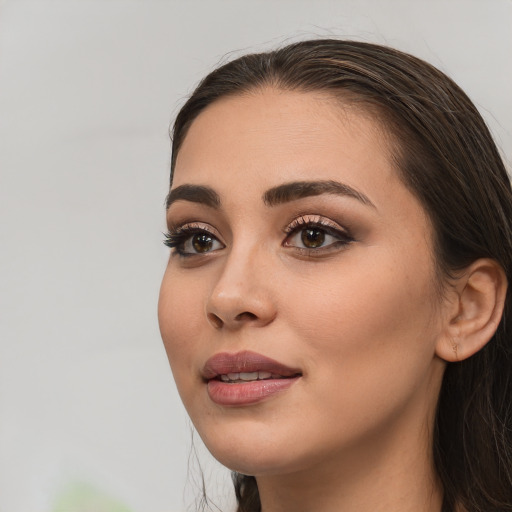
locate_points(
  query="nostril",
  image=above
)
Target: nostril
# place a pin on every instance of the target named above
(246, 315)
(215, 320)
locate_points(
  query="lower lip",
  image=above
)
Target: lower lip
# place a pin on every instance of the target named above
(246, 393)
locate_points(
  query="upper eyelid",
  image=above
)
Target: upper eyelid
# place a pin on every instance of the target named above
(192, 225)
(187, 229)
(319, 220)
(297, 222)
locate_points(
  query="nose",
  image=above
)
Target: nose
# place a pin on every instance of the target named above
(242, 296)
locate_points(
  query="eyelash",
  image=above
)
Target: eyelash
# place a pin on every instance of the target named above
(341, 236)
(178, 237)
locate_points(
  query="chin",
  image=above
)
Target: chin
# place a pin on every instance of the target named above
(242, 453)
(253, 449)
(253, 464)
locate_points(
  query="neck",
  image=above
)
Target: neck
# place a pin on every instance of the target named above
(393, 472)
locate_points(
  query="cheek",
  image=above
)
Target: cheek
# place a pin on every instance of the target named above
(180, 314)
(366, 322)
(369, 346)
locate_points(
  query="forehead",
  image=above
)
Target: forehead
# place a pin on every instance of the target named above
(268, 137)
(282, 132)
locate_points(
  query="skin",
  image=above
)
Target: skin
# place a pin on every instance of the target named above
(360, 319)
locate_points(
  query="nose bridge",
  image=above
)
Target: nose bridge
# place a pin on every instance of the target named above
(242, 292)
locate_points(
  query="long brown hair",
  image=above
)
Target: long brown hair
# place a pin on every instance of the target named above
(446, 156)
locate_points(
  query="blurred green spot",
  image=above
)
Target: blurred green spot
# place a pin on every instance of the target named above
(82, 497)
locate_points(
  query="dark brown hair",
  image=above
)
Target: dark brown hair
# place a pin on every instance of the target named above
(446, 156)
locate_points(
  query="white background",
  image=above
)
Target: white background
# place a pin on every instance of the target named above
(87, 91)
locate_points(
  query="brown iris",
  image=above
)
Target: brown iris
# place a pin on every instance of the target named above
(202, 242)
(312, 237)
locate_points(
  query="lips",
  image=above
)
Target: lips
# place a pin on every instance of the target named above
(244, 362)
(245, 378)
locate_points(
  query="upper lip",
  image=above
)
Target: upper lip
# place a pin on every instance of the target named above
(246, 361)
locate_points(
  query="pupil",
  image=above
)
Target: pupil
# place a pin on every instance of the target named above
(313, 237)
(202, 243)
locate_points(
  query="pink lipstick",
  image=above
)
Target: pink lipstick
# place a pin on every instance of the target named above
(246, 378)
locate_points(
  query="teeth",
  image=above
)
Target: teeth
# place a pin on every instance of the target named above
(248, 376)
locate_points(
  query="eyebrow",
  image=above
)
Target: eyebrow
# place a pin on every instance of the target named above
(299, 189)
(276, 195)
(194, 193)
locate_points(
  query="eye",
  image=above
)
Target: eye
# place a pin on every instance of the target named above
(316, 234)
(192, 240)
(314, 237)
(200, 243)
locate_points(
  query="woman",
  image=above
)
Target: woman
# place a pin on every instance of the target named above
(334, 307)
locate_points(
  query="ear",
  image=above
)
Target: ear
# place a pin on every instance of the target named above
(476, 312)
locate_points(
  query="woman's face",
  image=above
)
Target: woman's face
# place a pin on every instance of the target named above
(299, 308)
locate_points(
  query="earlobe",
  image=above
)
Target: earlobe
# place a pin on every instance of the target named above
(481, 292)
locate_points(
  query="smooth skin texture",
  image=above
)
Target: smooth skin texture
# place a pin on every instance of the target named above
(355, 306)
